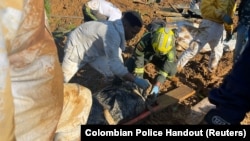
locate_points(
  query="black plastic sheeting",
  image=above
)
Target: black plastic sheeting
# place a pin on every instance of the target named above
(121, 101)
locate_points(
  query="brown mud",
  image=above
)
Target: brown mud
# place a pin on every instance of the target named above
(66, 14)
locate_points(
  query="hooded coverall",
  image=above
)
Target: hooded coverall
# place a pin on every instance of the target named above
(210, 31)
(100, 10)
(99, 44)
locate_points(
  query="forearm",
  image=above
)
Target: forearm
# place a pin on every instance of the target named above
(139, 59)
(160, 79)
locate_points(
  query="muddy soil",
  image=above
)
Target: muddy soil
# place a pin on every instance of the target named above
(67, 14)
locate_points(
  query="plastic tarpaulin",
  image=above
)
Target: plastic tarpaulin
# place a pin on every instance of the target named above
(32, 93)
(116, 104)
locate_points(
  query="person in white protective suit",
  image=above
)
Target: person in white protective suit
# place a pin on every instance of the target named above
(215, 14)
(94, 10)
(35, 103)
(100, 44)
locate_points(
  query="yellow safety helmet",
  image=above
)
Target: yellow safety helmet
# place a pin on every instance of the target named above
(162, 40)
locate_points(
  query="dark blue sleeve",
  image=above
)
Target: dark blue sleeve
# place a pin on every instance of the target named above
(232, 98)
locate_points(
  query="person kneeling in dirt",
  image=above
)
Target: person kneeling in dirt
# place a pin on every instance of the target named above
(100, 44)
(158, 47)
(94, 10)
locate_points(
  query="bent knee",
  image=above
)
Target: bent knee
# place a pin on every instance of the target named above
(194, 45)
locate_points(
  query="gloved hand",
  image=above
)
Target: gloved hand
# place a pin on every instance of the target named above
(227, 19)
(142, 83)
(155, 90)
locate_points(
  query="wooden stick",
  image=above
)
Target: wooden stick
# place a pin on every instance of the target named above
(169, 14)
(140, 1)
(163, 101)
(175, 9)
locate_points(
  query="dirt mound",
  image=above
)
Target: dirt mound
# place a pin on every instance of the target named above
(67, 14)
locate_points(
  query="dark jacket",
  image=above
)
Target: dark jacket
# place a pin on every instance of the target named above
(232, 98)
(243, 13)
(144, 53)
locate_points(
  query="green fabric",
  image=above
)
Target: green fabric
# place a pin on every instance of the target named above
(171, 56)
(139, 70)
(87, 12)
(160, 78)
(144, 53)
(163, 73)
(140, 75)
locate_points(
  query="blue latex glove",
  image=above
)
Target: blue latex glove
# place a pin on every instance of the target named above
(142, 83)
(227, 19)
(155, 90)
